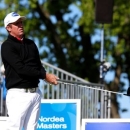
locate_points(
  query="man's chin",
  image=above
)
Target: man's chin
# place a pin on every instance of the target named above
(21, 35)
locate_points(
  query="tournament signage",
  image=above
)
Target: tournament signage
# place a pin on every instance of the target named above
(59, 114)
(105, 124)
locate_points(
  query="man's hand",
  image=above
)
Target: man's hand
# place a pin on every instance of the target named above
(51, 78)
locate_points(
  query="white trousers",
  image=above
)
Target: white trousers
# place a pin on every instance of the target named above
(23, 109)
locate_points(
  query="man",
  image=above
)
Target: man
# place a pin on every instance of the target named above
(23, 69)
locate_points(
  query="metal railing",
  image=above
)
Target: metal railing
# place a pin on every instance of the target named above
(95, 103)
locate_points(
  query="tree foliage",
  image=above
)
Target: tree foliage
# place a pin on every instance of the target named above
(65, 39)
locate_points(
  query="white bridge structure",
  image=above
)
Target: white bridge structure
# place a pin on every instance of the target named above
(95, 103)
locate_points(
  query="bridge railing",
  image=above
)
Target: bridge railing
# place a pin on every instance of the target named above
(95, 103)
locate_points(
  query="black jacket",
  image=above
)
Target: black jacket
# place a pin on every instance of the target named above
(21, 60)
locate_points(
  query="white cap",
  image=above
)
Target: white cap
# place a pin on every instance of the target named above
(12, 17)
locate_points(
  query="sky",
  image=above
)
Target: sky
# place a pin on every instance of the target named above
(124, 100)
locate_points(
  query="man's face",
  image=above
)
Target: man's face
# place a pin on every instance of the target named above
(16, 29)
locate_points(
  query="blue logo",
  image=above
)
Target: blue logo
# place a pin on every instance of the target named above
(15, 14)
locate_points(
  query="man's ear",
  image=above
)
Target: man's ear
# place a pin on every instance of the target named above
(8, 28)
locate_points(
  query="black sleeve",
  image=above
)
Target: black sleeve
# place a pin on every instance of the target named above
(11, 56)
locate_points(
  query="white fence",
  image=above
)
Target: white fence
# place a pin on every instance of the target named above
(94, 102)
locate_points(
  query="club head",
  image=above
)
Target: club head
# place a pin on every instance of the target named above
(128, 91)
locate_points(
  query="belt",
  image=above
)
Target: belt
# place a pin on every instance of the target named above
(30, 90)
(25, 90)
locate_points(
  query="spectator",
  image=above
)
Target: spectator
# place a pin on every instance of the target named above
(4, 90)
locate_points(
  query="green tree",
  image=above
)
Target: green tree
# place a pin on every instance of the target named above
(75, 51)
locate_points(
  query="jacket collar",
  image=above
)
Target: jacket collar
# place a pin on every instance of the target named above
(15, 39)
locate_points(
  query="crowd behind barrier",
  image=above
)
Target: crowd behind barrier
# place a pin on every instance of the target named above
(3, 91)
